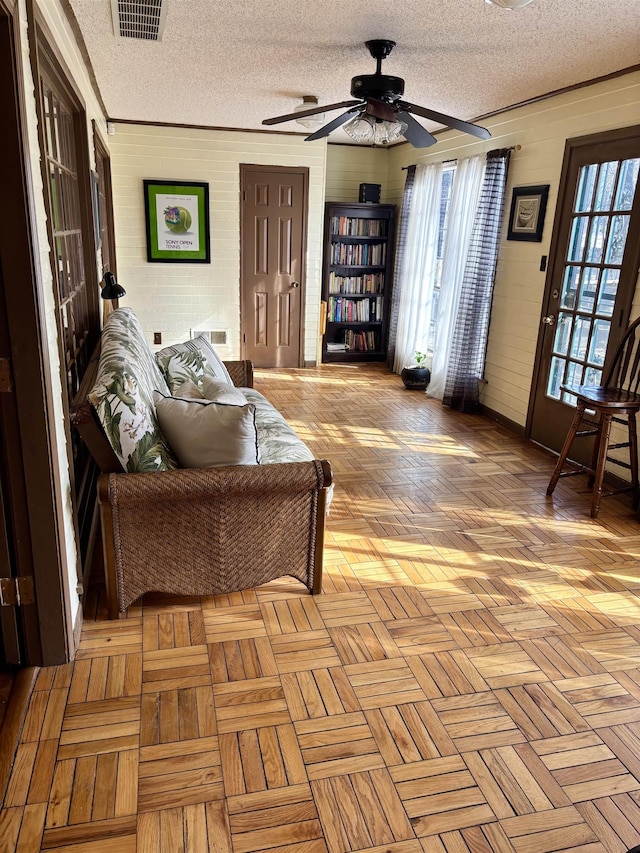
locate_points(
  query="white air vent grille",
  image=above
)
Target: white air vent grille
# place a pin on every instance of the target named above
(216, 336)
(138, 19)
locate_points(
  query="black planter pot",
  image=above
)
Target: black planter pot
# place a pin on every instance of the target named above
(415, 378)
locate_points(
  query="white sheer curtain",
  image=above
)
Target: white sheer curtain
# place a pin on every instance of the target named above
(419, 266)
(465, 195)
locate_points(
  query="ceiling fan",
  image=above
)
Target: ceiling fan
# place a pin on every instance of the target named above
(380, 105)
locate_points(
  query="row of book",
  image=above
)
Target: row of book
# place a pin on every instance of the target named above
(350, 226)
(372, 282)
(360, 341)
(340, 310)
(358, 254)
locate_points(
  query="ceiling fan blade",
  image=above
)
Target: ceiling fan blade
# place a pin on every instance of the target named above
(448, 121)
(415, 133)
(325, 108)
(380, 109)
(337, 122)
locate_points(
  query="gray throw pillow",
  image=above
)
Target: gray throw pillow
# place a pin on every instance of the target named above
(204, 434)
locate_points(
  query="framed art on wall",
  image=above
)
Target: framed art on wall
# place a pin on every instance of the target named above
(528, 207)
(177, 221)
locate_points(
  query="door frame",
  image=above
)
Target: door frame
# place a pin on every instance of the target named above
(289, 170)
(556, 256)
(107, 228)
(47, 628)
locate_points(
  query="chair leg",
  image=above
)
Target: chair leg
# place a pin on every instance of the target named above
(566, 447)
(633, 457)
(600, 466)
(594, 454)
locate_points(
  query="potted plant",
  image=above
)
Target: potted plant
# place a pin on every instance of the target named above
(416, 376)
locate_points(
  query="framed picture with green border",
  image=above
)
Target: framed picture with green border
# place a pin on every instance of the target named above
(177, 222)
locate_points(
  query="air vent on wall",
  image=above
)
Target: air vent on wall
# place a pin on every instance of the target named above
(215, 336)
(138, 19)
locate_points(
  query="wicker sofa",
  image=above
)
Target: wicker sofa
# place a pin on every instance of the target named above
(195, 531)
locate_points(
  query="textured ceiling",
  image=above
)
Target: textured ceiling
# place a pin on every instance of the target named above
(232, 64)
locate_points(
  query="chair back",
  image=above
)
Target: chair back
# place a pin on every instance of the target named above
(624, 372)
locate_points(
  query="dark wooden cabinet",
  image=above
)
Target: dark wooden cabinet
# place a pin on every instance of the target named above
(356, 286)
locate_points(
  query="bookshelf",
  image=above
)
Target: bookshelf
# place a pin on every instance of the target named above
(356, 283)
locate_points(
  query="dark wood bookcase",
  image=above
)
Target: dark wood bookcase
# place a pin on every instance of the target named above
(356, 281)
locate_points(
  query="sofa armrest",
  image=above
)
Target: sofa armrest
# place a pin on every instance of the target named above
(241, 373)
(212, 530)
(192, 485)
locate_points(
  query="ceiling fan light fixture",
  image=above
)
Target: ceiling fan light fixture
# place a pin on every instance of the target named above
(368, 130)
(509, 4)
(310, 122)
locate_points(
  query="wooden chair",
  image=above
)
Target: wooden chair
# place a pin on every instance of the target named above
(617, 396)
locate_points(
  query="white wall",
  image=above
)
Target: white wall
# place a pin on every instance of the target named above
(348, 166)
(174, 298)
(541, 129)
(67, 51)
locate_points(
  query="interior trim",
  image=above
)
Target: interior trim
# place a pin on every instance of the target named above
(14, 718)
(502, 420)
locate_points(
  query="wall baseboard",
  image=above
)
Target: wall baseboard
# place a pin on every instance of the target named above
(502, 420)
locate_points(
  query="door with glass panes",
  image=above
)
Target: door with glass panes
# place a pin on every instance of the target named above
(593, 271)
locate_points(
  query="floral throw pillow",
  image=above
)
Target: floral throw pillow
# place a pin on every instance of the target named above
(191, 362)
(123, 396)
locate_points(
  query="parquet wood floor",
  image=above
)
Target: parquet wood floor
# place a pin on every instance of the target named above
(469, 680)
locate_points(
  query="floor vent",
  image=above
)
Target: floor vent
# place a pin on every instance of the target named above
(218, 337)
(138, 19)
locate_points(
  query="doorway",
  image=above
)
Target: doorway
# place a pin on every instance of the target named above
(25, 489)
(272, 252)
(594, 258)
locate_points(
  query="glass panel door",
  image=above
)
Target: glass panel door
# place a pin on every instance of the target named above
(599, 228)
(593, 269)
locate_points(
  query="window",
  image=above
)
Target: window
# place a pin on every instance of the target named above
(445, 198)
(72, 254)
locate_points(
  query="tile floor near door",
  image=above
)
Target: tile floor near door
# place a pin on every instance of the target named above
(469, 680)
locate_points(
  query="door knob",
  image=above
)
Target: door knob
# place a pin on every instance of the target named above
(549, 321)
(295, 284)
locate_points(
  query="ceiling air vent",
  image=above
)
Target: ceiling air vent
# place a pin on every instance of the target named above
(138, 19)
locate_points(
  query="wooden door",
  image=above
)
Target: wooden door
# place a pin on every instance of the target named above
(10, 627)
(273, 238)
(25, 490)
(595, 254)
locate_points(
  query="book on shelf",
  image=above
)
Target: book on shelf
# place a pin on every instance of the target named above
(372, 282)
(336, 346)
(358, 254)
(360, 341)
(342, 310)
(354, 226)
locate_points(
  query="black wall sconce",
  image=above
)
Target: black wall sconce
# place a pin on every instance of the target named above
(112, 290)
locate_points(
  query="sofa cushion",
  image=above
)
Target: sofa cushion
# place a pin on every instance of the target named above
(188, 391)
(123, 396)
(205, 434)
(221, 392)
(191, 361)
(278, 442)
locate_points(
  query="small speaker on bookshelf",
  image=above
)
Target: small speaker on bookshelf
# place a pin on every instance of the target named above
(370, 193)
